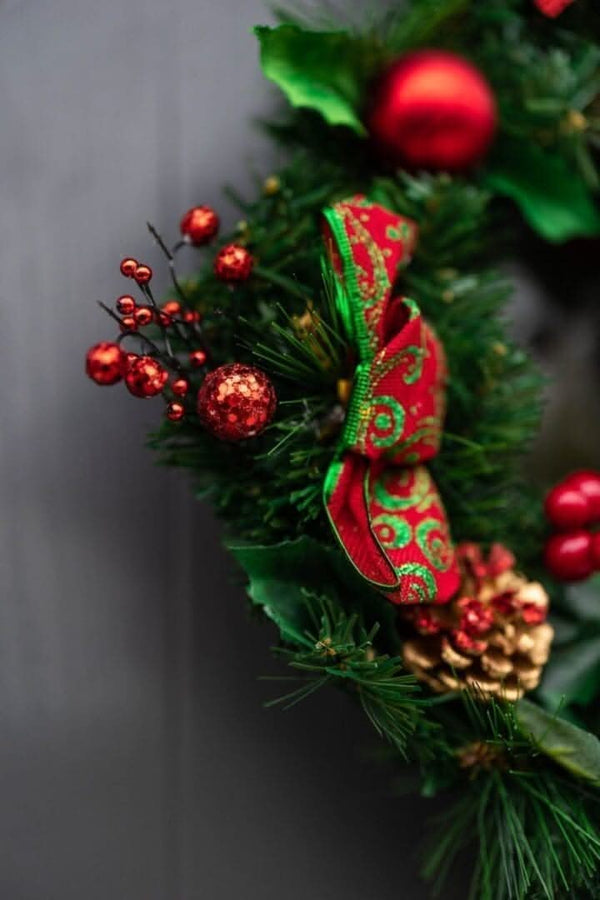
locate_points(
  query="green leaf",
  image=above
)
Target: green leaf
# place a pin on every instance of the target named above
(569, 746)
(552, 196)
(319, 70)
(281, 574)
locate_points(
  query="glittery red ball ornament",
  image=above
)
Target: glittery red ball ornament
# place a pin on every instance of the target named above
(233, 263)
(199, 225)
(175, 412)
(552, 8)
(104, 363)
(568, 556)
(236, 402)
(128, 266)
(145, 377)
(432, 110)
(125, 305)
(142, 274)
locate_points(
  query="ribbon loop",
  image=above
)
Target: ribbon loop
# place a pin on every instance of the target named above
(380, 499)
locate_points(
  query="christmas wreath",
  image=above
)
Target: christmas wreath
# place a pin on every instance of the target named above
(339, 380)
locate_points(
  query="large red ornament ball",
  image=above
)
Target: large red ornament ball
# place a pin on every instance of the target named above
(552, 8)
(236, 401)
(567, 508)
(233, 263)
(569, 557)
(104, 363)
(199, 225)
(145, 377)
(432, 110)
(587, 483)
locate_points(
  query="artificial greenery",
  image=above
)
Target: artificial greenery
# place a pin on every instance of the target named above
(525, 777)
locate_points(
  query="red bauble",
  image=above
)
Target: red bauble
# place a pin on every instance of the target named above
(568, 557)
(128, 266)
(145, 377)
(199, 225)
(142, 274)
(595, 550)
(104, 363)
(180, 387)
(432, 110)
(175, 411)
(567, 508)
(125, 305)
(171, 308)
(197, 359)
(143, 316)
(233, 263)
(588, 485)
(191, 316)
(236, 402)
(128, 323)
(552, 8)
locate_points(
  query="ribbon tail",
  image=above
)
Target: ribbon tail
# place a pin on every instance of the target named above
(346, 502)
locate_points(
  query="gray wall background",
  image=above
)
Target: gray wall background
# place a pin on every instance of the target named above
(136, 760)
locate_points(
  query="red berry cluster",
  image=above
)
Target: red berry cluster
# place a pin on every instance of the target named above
(234, 402)
(573, 509)
(233, 262)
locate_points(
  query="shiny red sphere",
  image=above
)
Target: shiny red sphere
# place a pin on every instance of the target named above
(125, 305)
(197, 358)
(171, 307)
(128, 323)
(199, 225)
(145, 377)
(588, 484)
(595, 550)
(180, 387)
(175, 411)
(236, 401)
(104, 363)
(567, 508)
(233, 263)
(432, 110)
(568, 557)
(552, 8)
(142, 274)
(143, 316)
(128, 266)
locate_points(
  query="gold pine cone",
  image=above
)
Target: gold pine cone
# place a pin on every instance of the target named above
(492, 638)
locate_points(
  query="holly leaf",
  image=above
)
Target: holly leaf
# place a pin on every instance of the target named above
(319, 70)
(551, 195)
(281, 575)
(571, 747)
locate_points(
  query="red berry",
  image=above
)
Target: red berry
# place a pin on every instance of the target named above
(180, 387)
(125, 305)
(568, 557)
(191, 315)
(104, 363)
(128, 324)
(595, 551)
(142, 274)
(128, 266)
(171, 308)
(175, 412)
(197, 358)
(199, 225)
(145, 377)
(143, 316)
(567, 508)
(233, 263)
(164, 319)
(588, 484)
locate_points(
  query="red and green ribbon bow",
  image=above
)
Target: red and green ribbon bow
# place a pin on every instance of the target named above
(381, 500)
